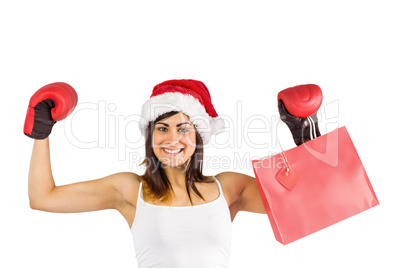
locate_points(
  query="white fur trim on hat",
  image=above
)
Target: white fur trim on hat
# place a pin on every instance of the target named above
(185, 103)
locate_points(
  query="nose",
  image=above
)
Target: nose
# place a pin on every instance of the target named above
(174, 137)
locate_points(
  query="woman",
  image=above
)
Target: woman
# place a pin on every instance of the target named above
(178, 216)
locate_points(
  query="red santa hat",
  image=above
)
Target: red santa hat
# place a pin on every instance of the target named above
(190, 97)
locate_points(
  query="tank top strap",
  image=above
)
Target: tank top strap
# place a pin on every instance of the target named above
(139, 198)
(219, 186)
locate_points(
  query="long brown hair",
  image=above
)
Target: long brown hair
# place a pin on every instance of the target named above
(156, 185)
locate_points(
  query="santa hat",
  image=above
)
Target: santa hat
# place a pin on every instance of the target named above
(190, 97)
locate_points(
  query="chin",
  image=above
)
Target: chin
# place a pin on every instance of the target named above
(173, 163)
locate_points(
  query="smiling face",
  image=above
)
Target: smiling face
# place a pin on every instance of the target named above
(174, 140)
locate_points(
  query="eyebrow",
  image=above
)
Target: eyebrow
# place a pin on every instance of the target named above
(178, 125)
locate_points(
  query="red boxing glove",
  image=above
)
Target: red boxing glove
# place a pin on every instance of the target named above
(49, 104)
(298, 109)
(303, 100)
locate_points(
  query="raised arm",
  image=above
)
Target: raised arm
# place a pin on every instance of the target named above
(104, 193)
(49, 104)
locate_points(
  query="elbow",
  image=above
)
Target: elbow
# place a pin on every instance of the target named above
(38, 201)
(33, 204)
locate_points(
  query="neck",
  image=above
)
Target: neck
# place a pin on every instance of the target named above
(176, 176)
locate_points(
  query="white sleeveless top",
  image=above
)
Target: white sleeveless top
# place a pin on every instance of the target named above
(196, 236)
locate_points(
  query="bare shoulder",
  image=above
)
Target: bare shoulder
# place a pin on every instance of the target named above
(233, 184)
(126, 177)
(127, 184)
(243, 192)
(233, 179)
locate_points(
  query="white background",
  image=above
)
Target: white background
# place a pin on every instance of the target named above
(114, 52)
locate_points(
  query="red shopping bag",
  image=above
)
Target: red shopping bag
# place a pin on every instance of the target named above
(313, 186)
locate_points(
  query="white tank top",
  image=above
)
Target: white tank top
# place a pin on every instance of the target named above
(196, 236)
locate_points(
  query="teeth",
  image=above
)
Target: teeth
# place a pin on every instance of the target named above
(172, 151)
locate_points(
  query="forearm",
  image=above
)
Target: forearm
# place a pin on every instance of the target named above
(40, 179)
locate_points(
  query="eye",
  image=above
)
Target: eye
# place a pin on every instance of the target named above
(183, 130)
(162, 129)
